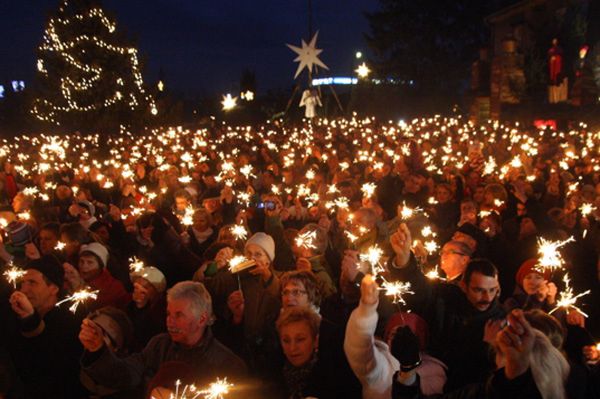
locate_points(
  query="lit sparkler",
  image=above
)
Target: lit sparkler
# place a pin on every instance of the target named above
(135, 265)
(407, 212)
(551, 259)
(14, 274)
(217, 389)
(240, 232)
(373, 257)
(368, 189)
(239, 263)
(396, 289)
(60, 246)
(306, 239)
(78, 298)
(586, 209)
(568, 299)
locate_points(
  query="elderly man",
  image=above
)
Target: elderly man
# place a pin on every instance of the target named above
(42, 338)
(189, 339)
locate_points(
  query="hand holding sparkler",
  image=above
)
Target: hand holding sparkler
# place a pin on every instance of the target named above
(223, 256)
(236, 303)
(91, 336)
(516, 342)
(21, 305)
(401, 242)
(13, 275)
(369, 291)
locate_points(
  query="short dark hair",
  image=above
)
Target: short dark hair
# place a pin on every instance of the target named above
(482, 266)
(308, 279)
(52, 227)
(75, 232)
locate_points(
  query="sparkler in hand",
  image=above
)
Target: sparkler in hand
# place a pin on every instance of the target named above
(135, 265)
(306, 239)
(568, 299)
(550, 258)
(13, 275)
(78, 298)
(239, 232)
(406, 212)
(239, 263)
(396, 289)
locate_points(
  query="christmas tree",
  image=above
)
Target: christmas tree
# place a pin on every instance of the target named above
(88, 78)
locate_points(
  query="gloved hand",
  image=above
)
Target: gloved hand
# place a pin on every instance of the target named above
(405, 348)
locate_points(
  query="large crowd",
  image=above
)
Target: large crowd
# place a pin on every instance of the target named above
(340, 258)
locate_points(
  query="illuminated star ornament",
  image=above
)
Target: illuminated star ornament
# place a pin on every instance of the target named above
(363, 70)
(229, 102)
(308, 55)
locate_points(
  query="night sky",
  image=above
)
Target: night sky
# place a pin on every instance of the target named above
(203, 46)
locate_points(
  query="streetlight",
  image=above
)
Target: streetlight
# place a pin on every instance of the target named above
(358, 55)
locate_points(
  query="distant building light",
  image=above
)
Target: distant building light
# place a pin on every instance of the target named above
(1, 91)
(339, 80)
(358, 55)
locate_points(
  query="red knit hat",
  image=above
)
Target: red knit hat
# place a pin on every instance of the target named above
(529, 266)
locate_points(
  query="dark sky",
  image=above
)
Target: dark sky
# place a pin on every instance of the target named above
(203, 46)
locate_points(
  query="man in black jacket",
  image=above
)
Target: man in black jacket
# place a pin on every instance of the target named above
(43, 337)
(457, 315)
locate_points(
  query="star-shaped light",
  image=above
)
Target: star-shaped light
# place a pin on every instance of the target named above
(229, 102)
(247, 95)
(308, 55)
(363, 70)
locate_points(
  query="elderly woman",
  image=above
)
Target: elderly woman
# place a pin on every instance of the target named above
(307, 372)
(300, 289)
(248, 303)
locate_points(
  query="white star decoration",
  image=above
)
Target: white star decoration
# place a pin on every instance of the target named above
(308, 55)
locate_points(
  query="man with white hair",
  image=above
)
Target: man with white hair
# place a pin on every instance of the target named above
(189, 339)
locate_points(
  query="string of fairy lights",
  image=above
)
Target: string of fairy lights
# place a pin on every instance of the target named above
(88, 76)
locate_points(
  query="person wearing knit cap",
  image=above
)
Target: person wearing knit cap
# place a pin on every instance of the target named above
(533, 291)
(42, 337)
(147, 310)
(92, 271)
(249, 302)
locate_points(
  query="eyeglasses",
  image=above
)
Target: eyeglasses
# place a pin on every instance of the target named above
(294, 293)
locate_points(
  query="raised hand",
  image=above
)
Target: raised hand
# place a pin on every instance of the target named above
(21, 305)
(401, 242)
(515, 341)
(91, 336)
(236, 303)
(369, 291)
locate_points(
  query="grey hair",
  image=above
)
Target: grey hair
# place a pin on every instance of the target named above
(197, 294)
(549, 367)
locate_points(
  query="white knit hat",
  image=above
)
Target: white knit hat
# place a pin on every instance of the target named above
(264, 241)
(153, 275)
(97, 249)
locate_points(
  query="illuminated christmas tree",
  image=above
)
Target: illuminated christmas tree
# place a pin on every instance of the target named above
(88, 77)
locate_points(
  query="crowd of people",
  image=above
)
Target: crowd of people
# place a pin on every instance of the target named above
(340, 258)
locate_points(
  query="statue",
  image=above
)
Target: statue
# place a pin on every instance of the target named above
(558, 83)
(310, 99)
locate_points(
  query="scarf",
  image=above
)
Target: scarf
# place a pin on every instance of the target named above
(297, 377)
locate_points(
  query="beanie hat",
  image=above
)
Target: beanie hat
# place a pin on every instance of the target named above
(264, 241)
(19, 233)
(527, 267)
(153, 276)
(87, 205)
(97, 249)
(50, 267)
(115, 324)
